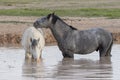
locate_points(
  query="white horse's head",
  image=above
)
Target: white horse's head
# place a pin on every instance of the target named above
(35, 49)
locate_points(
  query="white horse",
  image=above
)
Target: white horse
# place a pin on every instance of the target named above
(33, 42)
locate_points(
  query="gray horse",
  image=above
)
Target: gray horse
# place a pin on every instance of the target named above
(70, 40)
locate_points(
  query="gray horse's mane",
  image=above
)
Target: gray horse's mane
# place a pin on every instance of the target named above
(55, 18)
(73, 27)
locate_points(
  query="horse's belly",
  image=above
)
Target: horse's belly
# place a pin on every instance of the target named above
(81, 48)
(83, 53)
(86, 50)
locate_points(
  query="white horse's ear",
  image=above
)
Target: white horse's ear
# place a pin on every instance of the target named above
(31, 40)
(38, 39)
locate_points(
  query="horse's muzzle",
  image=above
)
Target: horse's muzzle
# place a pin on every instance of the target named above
(36, 24)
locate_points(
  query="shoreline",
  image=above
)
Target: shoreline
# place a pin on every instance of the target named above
(11, 40)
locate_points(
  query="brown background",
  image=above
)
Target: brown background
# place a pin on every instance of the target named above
(12, 28)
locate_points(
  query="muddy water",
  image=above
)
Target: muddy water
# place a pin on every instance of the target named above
(52, 66)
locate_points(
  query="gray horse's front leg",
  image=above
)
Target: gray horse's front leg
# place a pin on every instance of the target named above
(68, 55)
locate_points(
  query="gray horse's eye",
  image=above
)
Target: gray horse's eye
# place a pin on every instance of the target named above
(43, 19)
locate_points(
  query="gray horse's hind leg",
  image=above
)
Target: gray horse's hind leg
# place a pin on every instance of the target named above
(68, 55)
(105, 50)
(109, 52)
(102, 52)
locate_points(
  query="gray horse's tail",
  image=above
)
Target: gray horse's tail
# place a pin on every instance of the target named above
(110, 47)
(112, 40)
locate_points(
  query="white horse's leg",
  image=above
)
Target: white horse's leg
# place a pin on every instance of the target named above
(40, 54)
(27, 55)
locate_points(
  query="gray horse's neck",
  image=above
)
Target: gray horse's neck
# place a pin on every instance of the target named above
(60, 29)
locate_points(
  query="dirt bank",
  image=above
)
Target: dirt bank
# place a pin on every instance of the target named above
(12, 27)
(14, 39)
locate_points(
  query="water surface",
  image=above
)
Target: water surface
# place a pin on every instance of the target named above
(52, 66)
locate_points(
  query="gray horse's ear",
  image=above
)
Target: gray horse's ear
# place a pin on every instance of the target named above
(48, 16)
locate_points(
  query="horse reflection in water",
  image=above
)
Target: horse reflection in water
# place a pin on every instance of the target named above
(70, 40)
(84, 69)
(32, 69)
(70, 69)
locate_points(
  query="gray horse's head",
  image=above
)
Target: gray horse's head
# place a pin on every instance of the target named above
(45, 21)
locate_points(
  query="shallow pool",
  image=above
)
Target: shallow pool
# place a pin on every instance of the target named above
(52, 66)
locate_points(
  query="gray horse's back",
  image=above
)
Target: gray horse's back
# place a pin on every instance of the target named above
(103, 35)
(87, 41)
(101, 39)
